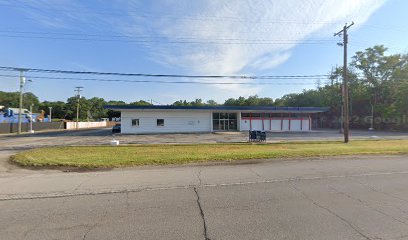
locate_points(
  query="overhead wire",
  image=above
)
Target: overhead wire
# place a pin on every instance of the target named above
(161, 81)
(40, 70)
(156, 14)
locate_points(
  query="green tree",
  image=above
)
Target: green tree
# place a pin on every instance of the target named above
(12, 99)
(58, 109)
(96, 108)
(140, 103)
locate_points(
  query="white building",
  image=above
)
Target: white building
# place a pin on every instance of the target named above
(182, 119)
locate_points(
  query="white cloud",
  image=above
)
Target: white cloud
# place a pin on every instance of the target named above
(226, 36)
(243, 22)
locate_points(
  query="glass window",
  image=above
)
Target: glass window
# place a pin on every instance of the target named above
(135, 122)
(223, 115)
(160, 122)
(216, 115)
(232, 125)
(245, 115)
(216, 124)
(232, 116)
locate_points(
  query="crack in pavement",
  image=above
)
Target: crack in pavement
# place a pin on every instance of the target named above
(202, 214)
(199, 177)
(90, 229)
(356, 229)
(29, 196)
(387, 195)
(254, 172)
(367, 205)
(81, 183)
(31, 230)
(127, 201)
(384, 193)
(94, 225)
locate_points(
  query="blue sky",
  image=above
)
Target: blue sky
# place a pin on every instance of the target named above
(225, 37)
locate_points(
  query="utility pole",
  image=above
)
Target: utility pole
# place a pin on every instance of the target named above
(346, 118)
(50, 116)
(31, 118)
(20, 111)
(78, 91)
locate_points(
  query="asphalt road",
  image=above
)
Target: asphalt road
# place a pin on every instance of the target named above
(337, 198)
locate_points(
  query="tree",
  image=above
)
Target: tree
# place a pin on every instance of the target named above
(12, 99)
(96, 108)
(71, 108)
(211, 103)
(112, 113)
(58, 109)
(140, 103)
(250, 101)
(377, 74)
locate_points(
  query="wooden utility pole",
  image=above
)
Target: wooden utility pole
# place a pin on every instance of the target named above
(346, 118)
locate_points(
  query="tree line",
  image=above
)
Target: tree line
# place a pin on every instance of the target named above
(378, 87)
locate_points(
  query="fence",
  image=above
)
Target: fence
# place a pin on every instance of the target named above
(72, 125)
(25, 127)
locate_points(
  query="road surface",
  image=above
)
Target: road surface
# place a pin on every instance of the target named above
(336, 198)
(333, 198)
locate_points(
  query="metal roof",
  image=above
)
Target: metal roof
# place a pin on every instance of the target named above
(220, 108)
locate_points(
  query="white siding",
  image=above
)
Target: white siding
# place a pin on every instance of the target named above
(174, 121)
(276, 125)
(244, 125)
(306, 125)
(285, 125)
(295, 125)
(257, 124)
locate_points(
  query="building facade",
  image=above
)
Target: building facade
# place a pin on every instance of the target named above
(184, 119)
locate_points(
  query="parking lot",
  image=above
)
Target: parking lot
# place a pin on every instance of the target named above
(11, 144)
(353, 197)
(104, 136)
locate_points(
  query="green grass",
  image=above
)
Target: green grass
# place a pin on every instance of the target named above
(137, 155)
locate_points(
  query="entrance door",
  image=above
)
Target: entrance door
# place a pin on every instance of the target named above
(225, 122)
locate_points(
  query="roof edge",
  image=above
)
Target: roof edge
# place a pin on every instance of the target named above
(243, 108)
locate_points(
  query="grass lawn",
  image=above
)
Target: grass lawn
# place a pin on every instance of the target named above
(136, 155)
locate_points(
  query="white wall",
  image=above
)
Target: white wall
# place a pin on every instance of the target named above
(72, 125)
(276, 125)
(244, 125)
(295, 125)
(306, 125)
(174, 121)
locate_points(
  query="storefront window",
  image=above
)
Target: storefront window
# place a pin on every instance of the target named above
(225, 121)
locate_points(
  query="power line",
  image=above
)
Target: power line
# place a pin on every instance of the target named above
(152, 38)
(165, 82)
(157, 41)
(402, 80)
(39, 70)
(147, 14)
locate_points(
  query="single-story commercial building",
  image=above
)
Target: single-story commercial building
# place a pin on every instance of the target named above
(182, 119)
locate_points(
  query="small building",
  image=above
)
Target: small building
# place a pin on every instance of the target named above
(183, 119)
